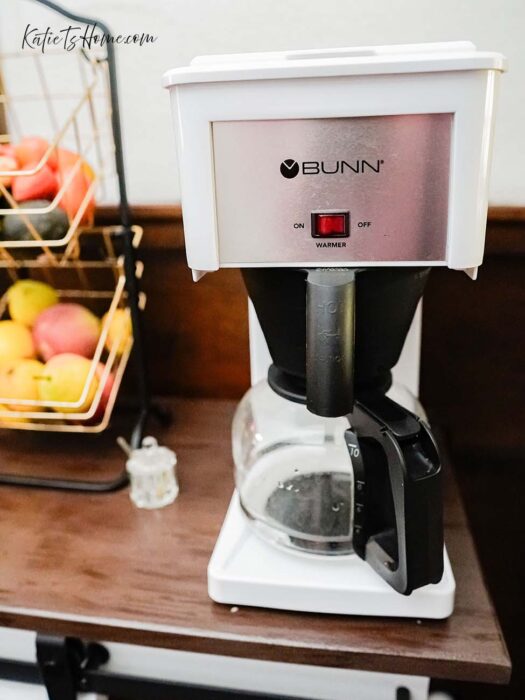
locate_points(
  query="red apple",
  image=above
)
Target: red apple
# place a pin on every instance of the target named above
(41, 185)
(7, 149)
(32, 149)
(66, 328)
(106, 393)
(67, 159)
(75, 192)
(7, 163)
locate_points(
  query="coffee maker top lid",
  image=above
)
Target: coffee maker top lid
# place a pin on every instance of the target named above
(363, 60)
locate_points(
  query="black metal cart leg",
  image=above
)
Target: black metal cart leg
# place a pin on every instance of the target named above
(62, 661)
(139, 350)
(55, 658)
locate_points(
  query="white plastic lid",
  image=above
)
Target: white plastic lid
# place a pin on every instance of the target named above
(362, 60)
(149, 458)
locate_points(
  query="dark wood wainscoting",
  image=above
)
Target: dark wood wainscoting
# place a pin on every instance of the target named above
(473, 373)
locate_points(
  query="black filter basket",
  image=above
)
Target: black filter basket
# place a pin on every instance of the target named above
(385, 302)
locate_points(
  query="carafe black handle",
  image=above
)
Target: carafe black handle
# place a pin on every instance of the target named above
(398, 517)
(330, 324)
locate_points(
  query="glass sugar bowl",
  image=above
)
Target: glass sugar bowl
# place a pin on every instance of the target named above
(151, 469)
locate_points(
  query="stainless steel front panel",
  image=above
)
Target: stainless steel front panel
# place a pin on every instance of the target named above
(390, 172)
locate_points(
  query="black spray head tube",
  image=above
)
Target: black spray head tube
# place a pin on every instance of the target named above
(330, 329)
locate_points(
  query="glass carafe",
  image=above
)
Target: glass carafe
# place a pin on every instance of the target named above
(293, 473)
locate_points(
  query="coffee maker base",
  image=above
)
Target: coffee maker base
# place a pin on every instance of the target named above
(245, 570)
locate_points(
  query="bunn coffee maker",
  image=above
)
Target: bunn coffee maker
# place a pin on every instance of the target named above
(335, 180)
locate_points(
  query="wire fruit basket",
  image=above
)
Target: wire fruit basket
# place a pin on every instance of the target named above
(48, 186)
(104, 293)
(58, 172)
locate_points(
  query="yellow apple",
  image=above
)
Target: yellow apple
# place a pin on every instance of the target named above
(64, 378)
(19, 379)
(120, 327)
(26, 299)
(9, 420)
(16, 341)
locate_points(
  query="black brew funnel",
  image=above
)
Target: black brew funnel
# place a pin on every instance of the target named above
(376, 312)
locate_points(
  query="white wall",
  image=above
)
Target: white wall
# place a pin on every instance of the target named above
(186, 28)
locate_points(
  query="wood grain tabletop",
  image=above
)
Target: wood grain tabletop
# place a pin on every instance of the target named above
(97, 567)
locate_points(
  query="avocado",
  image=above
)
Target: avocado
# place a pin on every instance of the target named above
(50, 226)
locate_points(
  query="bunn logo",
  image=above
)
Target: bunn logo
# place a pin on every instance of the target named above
(291, 168)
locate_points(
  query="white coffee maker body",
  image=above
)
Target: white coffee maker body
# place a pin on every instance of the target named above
(353, 159)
